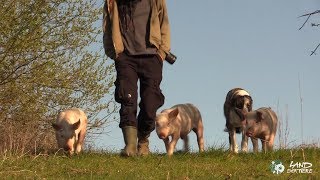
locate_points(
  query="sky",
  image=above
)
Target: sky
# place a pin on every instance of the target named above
(255, 45)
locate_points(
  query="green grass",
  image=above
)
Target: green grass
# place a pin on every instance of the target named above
(213, 164)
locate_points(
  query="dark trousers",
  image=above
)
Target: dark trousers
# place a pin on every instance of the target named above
(148, 70)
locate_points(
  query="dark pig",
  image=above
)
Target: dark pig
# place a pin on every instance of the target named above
(237, 100)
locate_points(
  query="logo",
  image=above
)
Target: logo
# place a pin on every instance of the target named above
(276, 167)
(300, 167)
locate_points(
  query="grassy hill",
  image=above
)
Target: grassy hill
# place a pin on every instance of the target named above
(212, 164)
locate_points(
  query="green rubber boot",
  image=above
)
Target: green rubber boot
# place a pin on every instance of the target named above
(143, 145)
(130, 139)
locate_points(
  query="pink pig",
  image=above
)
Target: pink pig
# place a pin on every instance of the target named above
(261, 124)
(177, 122)
(70, 128)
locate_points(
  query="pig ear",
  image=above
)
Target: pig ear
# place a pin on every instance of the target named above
(251, 102)
(76, 125)
(174, 113)
(56, 126)
(259, 116)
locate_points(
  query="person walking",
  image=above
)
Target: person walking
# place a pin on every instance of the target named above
(136, 35)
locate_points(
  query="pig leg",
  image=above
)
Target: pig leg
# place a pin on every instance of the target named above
(232, 139)
(166, 143)
(270, 143)
(172, 144)
(255, 144)
(264, 144)
(199, 133)
(80, 141)
(244, 142)
(186, 143)
(71, 144)
(269, 146)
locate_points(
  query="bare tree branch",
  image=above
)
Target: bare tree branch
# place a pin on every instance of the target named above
(313, 24)
(304, 22)
(315, 12)
(314, 51)
(309, 15)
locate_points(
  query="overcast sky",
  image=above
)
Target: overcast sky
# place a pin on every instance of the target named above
(251, 44)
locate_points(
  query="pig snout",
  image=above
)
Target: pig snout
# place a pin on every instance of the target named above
(249, 131)
(243, 123)
(162, 132)
(162, 135)
(249, 134)
(66, 148)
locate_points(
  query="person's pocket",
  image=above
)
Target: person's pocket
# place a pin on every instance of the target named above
(119, 92)
(119, 57)
(160, 60)
(160, 97)
(122, 93)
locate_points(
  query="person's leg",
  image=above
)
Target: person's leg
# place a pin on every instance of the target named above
(151, 99)
(126, 95)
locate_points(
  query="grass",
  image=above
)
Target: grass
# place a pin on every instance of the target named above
(212, 164)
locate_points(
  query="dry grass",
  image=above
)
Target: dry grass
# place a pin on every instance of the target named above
(26, 138)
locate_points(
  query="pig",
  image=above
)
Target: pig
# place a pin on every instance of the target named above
(237, 100)
(70, 128)
(177, 122)
(261, 124)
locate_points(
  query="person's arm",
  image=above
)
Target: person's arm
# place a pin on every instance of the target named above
(107, 32)
(164, 29)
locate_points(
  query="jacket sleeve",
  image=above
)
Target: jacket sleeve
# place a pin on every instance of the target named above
(107, 32)
(164, 29)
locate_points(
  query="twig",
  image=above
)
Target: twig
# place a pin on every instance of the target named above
(314, 51)
(55, 154)
(305, 22)
(312, 24)
(304, 158)
(301, 108)
(286, 131)
(309, 15)
(279, 126)
(39, 156)
(20, 171)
